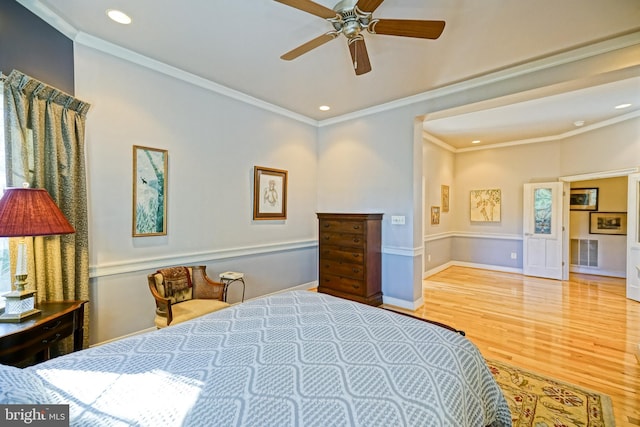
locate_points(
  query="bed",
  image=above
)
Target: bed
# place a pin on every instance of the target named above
(295, 358)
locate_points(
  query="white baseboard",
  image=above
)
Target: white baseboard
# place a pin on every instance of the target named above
(471, 265)
(438, 269)
(403, 303)
(597, 271)
(303, 287)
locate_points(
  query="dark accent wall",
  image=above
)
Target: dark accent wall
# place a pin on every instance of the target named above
(30, 45)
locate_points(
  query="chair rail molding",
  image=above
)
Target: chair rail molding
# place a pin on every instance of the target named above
(144, 264)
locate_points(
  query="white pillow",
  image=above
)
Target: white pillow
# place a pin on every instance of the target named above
(18, 386)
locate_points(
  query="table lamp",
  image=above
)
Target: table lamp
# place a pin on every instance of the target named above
(27, 212)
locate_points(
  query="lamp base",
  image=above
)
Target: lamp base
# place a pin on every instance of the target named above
(18, 317)
(19, 306)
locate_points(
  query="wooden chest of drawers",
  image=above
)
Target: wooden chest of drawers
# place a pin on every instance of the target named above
(350, 256)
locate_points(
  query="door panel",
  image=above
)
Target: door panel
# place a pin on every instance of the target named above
(633, 238)
(544, 236)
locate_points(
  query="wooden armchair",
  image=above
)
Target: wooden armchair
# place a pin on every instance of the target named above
(183, 293)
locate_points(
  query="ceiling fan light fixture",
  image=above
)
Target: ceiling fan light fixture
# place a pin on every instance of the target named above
(119, 16)
(351, 18)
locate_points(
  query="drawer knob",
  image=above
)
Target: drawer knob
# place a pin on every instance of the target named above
(356, 240)
(356, 227)
(51, 341)
(354, 286)
(49, 328)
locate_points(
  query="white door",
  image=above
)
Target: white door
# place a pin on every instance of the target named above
(633, 238)
(545, 241)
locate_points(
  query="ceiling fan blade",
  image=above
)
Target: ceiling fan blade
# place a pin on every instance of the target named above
(359, 56)
(407, 28)
(311, 44)
(310, 7)
(368, 5)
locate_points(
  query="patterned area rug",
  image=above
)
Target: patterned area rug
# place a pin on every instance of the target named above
(537, 401)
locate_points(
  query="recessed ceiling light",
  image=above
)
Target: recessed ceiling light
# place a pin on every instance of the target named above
(118, 16)
(475, 141)
(621, 106)
(578, 123)
(324, 108)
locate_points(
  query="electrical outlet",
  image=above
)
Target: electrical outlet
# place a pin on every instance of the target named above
(398, 220)
(514, 255)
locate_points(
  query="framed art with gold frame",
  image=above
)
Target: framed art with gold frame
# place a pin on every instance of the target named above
(608, 223)
(444, 195)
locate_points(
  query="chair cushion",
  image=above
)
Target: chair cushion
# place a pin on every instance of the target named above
(174, 283)
(187, 310)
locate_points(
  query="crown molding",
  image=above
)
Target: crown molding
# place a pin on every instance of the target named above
(117, 51)
(549, 138)
(530, 67)
(551, 61)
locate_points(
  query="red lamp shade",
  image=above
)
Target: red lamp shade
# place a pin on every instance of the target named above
(31, 212)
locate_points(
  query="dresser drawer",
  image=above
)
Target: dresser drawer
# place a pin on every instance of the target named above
(355, 271)
(336, 226)
(341, 284)
(342, 239)
(353, 255)
(34, 340)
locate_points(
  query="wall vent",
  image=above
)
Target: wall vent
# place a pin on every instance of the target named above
(584, 252)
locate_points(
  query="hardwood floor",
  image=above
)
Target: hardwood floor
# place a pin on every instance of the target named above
(583, 331)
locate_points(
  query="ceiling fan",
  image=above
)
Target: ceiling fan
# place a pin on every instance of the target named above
(350, 18)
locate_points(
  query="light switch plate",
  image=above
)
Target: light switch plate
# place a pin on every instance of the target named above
(398, 220)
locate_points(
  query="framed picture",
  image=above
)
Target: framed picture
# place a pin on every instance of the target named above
(485, 205)
(149, 191)
(583, 199)
(435, 215)
(269, 193)
(444, 195)
(608, 223)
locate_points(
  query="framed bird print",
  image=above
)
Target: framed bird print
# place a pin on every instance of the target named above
(149, 191)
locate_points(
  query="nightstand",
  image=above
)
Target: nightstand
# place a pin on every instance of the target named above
(35, 336)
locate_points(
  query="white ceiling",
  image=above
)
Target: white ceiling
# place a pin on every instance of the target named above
(539, 119)
(238, 44)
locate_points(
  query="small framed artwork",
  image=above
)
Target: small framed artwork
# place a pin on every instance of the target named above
(608, 223)
(583, 199)
(444, 195)
(149, 191)
(435, 215)
(269, 193)
(485, 205)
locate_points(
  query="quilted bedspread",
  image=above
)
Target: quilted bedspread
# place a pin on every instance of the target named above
(291, 359)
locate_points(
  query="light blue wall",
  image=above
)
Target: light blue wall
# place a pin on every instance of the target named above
(213, 143)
